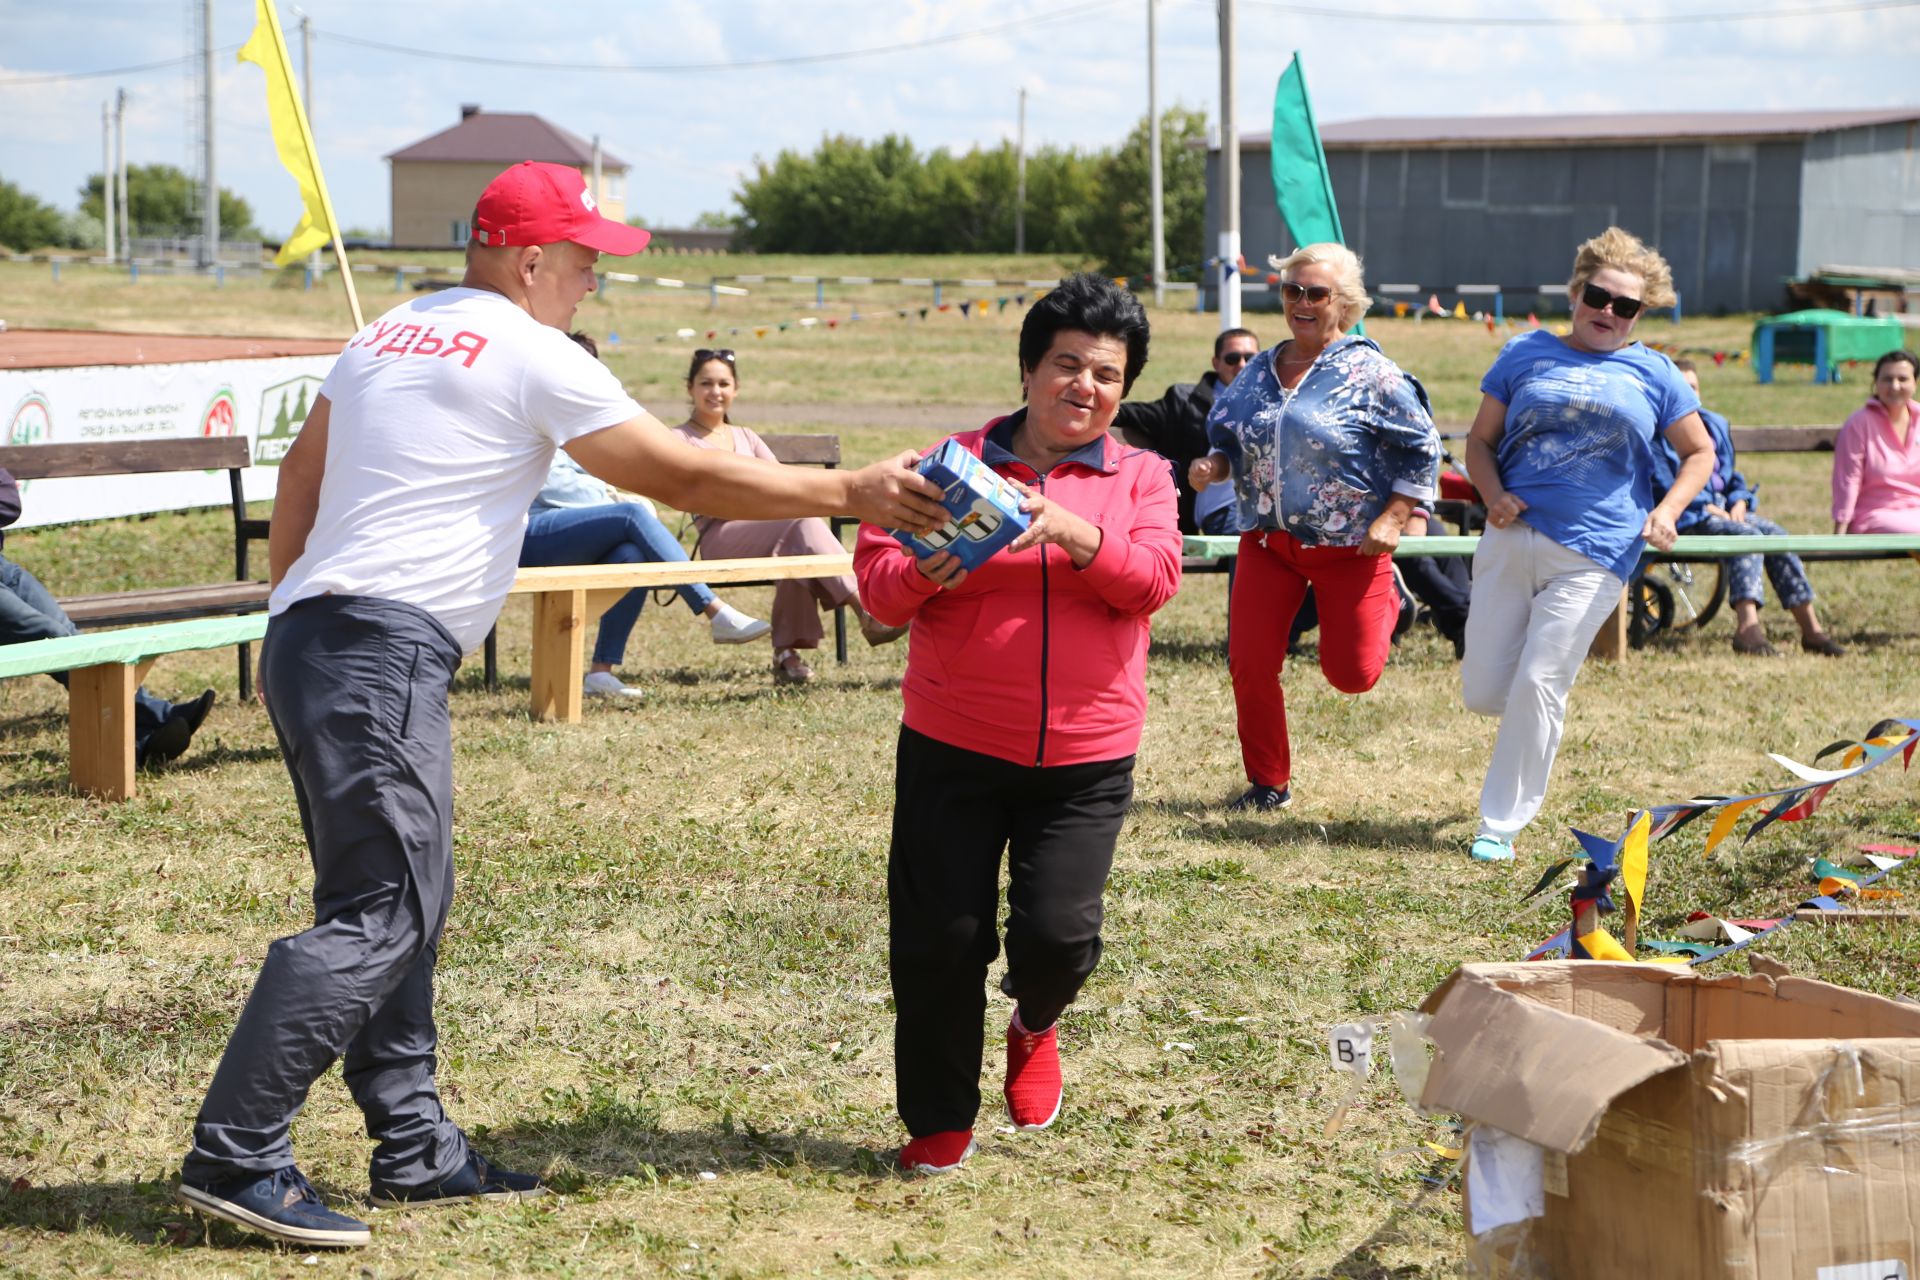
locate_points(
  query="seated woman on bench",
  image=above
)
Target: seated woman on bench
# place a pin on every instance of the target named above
(576, 520)
(1725, 507)
(162, 730)
(712, 383)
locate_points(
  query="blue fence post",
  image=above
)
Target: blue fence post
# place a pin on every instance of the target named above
(56, 270)
(309, 283)
(1200, 298)
(133, 271)
(219, 275)
(936, 293)
(713, 291)
(1822, 373)
(1499, 304)
(399, 279)
(1676, 306)
(820, 291)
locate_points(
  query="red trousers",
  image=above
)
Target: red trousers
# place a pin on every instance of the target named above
(1358, 607)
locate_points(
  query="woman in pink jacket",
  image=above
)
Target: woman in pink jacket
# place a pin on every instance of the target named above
(1876, 459)
(1024, 695)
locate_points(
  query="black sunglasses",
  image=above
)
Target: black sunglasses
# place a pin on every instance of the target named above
(1599, 299)
(705, 354)
(1316, 293)
(1237, 357)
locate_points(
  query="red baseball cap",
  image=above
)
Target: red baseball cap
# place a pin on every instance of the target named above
(536, 203)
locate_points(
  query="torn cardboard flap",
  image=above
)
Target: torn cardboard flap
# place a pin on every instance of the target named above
(1519, 1065)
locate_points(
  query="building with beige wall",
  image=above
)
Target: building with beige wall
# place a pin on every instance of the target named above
(436, 181)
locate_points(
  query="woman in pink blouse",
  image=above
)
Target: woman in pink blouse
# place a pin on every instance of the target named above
(712, 383)
(1876, 459)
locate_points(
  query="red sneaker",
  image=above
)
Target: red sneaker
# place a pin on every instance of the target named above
(937, 1152)
(1034, 1090)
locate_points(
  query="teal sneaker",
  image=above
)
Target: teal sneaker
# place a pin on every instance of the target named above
(1491, 849)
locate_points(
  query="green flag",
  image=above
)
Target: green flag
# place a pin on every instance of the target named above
(1301, 184)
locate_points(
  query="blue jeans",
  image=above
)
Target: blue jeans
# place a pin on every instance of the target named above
(1743, 572)
(28, 612)
(618, 533)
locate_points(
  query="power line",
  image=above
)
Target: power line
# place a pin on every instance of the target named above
(53, 76)
(744, 64)
(1620, 20)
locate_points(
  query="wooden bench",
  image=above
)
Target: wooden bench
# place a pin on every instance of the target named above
(156, 457)
(789, 450)
(568, 599)
(103, 669)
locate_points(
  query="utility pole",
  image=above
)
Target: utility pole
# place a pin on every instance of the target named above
(210, 196)
(106, 176)
(1020, 191)
(1154, 179)
(598, 197)
(120, 177)
(1229, 179)
(306, 94)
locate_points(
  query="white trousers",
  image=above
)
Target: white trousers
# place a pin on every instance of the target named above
(1535, 611)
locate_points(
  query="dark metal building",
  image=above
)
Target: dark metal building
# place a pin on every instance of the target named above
(1738, 202)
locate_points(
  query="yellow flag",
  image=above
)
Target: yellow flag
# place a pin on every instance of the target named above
(1633, 861)
(1602, 945)
(1723, 825)
(267, 49)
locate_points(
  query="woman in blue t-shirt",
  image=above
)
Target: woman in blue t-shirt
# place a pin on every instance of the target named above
(1562, 454)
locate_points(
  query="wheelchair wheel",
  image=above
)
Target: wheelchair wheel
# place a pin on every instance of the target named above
(1698, 588)
(1652, 610)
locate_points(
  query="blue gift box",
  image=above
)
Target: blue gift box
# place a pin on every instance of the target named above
(986, 509)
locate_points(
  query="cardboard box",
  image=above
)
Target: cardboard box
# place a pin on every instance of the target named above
(986, 509)
(1669, 1123)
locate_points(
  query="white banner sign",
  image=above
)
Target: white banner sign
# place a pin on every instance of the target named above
(263, 400)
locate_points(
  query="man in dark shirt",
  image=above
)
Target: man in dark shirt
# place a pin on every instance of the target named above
(161, 729)
(1175, 425)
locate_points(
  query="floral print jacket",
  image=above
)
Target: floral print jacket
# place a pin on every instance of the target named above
(1322, 460)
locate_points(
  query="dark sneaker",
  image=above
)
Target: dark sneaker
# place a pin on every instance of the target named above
(167, 741)
(475, 1180)
(1262, 799)
(281, 1204)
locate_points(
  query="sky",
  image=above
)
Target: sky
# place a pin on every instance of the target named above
(691, 135)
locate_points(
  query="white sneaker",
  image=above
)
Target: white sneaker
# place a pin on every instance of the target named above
(605, 684)
(730, 626)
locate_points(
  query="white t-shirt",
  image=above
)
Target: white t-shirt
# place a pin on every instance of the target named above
(445, 414)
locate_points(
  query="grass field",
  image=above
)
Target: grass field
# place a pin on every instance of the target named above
(666, 959)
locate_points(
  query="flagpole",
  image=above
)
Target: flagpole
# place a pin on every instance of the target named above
(313, 159)
(1229, 179)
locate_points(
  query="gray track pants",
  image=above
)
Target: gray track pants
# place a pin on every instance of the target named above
(357, 690)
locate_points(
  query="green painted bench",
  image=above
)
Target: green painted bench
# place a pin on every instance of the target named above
(1612, 641)
(103, 669)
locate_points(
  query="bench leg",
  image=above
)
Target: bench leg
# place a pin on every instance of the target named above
(1611, 643)
(840, 634)
(559, 654)
(493, 660)
(100, 730)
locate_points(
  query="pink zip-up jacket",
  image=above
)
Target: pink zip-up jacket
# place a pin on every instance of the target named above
(1876, 477)
(1030, 659)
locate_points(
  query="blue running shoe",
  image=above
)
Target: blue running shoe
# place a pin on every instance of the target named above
(477, 1179)
(1491, 849)
(281, 1204)
(1260, 798)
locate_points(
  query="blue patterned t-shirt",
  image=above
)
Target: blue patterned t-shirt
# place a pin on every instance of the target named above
(1579, 439)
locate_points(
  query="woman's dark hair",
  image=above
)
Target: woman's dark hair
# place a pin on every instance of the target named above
(706, 356)
(1086, 303)
(1913, 362)
(587, 344)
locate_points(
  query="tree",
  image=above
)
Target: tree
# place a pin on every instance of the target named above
(851, 196)
(713, 220)
(160, 201)
(27, 222)
(1120, 230)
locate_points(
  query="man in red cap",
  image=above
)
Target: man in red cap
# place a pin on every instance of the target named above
(396, 532)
